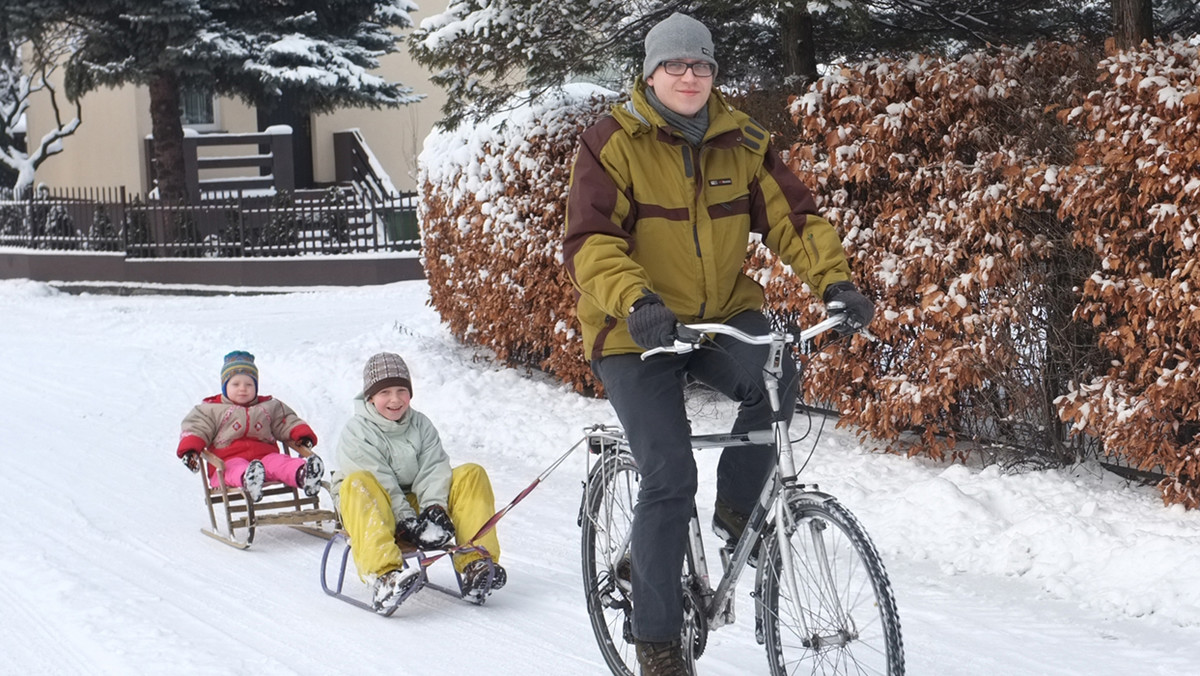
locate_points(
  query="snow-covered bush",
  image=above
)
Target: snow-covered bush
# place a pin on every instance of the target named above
(1134, 194)
(1030, 242)
(936, 174)
(492, 214)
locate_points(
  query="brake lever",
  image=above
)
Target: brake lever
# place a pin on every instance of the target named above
(687, 339)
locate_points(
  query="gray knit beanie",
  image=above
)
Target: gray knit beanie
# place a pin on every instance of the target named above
(385, 370)
(678, 36)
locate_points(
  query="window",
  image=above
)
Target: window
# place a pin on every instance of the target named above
(199, 108)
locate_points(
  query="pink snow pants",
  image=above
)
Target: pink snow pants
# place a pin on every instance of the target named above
(279, 466)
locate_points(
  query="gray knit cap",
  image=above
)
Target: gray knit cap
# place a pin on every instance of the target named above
(385, 370)
(678, 36)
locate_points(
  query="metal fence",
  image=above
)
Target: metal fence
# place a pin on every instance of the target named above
(226, 225)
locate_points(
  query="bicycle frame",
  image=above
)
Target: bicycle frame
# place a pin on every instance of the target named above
(718, 603)
(822, 597)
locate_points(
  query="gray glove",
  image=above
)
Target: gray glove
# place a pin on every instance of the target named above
(651, 324)
(842, 298)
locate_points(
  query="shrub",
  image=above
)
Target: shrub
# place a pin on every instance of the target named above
(934, 171)
(492, 216)
(1134, 195)
(1030, 244)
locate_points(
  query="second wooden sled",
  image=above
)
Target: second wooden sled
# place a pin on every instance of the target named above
(234, 518)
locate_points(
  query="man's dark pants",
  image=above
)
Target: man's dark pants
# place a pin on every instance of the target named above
(648, 399)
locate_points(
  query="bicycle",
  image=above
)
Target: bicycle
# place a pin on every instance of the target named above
(823, 602)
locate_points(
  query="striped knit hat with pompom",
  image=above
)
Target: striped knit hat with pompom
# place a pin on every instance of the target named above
(238, 362)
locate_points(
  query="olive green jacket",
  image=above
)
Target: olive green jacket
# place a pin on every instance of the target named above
(648, 211)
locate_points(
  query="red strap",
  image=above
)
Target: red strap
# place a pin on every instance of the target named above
(491, 523)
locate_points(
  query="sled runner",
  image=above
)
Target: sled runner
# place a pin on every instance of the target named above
(234, 517)
(412, 557)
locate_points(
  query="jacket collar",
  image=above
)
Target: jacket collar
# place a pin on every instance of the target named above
(636, 116)
(222, 399)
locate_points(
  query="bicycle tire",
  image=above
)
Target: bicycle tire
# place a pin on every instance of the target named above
(860, 633)
(607, 519)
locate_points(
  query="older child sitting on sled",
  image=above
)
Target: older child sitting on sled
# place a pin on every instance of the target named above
(394, 481)
(241, 428)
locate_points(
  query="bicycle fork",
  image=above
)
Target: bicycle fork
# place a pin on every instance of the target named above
(818, 566)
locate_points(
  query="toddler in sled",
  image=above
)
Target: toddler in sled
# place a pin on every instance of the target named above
(242, 428)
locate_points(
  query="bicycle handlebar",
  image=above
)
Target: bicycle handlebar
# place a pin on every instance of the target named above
(688, 340)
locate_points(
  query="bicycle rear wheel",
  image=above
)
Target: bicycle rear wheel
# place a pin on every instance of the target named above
(607, 521)
(839, 616)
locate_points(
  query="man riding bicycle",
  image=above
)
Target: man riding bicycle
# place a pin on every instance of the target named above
(664, 194)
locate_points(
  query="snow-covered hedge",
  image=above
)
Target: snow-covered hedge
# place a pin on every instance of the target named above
(935, 173)
(492, 213)
(1134, 194)
(1029, 236)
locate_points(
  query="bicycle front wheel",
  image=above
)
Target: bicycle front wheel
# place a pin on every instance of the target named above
(827, 605)
(607, 521)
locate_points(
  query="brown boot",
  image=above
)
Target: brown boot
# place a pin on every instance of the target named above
(662, 659)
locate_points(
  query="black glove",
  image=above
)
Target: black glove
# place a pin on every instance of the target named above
(436, 527)
(306, 442)
(191, 460)
(651, 324)
(841, 298)
(409, 529)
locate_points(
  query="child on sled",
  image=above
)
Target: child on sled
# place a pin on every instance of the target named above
(241, 428)
(394, 482)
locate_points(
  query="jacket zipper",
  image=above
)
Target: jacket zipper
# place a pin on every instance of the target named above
(699, 178)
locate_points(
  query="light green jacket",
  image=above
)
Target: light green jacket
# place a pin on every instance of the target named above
(405, 456)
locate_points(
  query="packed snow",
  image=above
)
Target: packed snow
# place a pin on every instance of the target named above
(105, 570)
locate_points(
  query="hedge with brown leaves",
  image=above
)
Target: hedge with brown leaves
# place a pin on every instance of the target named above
(1134, 193)
(1030, 244)
(492, 227)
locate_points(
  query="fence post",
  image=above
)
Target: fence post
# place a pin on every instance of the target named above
(29, 216)
(282, 162)
(241, 224)
(124, 212)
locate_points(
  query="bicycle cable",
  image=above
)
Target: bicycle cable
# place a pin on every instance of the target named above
(795, 380)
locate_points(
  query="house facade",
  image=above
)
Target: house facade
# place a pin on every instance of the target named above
(109, 149)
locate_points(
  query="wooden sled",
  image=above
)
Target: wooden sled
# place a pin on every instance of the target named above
(235, 518)
(412, 557)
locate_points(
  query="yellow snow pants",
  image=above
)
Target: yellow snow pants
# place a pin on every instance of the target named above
(366, 511)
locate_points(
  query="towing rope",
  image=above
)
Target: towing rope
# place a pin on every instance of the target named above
(470, 546)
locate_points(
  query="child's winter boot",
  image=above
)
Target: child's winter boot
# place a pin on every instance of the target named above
(392, 587)
(476, 585)
(252, 480)
(309, 476)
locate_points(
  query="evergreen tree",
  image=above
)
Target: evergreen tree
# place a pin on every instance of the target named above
(320, 52)
(487, 51)
(483, 52)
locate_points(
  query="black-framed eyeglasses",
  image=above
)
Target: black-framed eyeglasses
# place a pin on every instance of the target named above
(699, 69)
